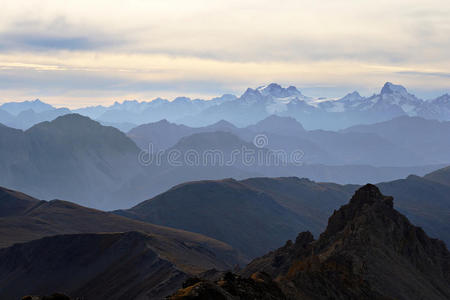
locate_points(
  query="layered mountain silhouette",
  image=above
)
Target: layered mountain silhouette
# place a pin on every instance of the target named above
(61, 246)
(426, 138)
(246, 218)
(238, 212)
(368, 251)
(80, 160)
(15, 108)
(404, 141)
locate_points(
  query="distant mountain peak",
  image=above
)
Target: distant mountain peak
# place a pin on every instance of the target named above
(251, 92)
(280, 120)
(293, 89)
(162, 122)
(354, 93)
(75, 117)
(251, 96)
(444, 99)
(390, 88)
(72, 123)
(278, 124)
(277, 91)
(351, 97)
(224, 98)
(223, 123)
(36, 105)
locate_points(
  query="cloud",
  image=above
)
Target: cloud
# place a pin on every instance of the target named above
(55, 34)
(33, 42)
(114, 47)
(419, 73)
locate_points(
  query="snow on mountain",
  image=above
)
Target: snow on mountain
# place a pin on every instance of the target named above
(277, 92)
(347, 102)
(442, 100)
(254, 105)
(392, 99)
(274, 97)
(396, 96)
(151, 111)
(438, 108)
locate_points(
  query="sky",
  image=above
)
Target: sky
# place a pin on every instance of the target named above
(78, 53)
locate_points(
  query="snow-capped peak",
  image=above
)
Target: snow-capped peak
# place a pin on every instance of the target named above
(352, 97)
(277, 91)
(390, 88)
(443, 100)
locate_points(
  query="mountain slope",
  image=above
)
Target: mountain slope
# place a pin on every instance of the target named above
(71, 158)
(441, 176)
(428, 138)
(13, 203)
(87, 266)
(161, 134)
(237, 211)
(368, 251)
(28, 219)
(227, 210)
(424, 202)
(71, 257)
(5, 117)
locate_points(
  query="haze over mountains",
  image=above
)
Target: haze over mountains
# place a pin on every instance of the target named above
(70, 157)
(403, 141)
(251, 107)
(77, 159)
(196, 187)
(255, 214)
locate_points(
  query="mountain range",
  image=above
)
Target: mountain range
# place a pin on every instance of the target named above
(251, 107)
(402, 141)
(49, 246)
(78, 159)
(192, 198)
(255, 214)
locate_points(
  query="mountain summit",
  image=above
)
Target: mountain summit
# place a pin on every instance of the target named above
(277, 91)
(390, 88)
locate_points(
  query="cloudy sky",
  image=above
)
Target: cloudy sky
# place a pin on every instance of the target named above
(73, 53)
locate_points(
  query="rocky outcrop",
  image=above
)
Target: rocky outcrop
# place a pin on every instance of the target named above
(368, 251)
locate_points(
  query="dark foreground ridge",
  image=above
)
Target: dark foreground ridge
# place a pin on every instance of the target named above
(368, 251)
(58, 246)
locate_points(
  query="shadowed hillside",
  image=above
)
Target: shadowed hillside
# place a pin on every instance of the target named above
(368, 251)
(255, 213)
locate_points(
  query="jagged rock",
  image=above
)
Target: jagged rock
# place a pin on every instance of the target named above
(368, 251)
